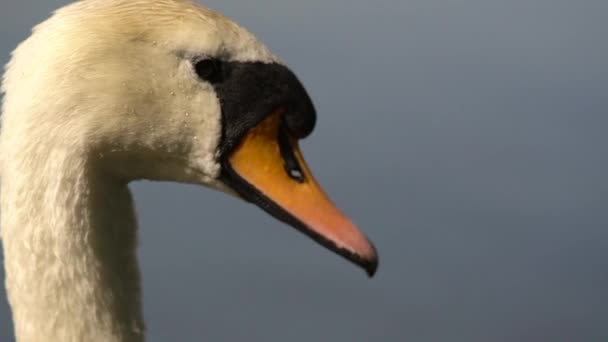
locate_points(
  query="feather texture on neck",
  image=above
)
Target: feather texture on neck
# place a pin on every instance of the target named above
(87, 272)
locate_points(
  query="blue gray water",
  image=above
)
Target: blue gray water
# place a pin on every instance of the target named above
(467, 138)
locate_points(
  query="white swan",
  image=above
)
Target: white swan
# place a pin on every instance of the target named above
(110, 91)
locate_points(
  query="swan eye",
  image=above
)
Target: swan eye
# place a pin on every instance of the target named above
(209, 70)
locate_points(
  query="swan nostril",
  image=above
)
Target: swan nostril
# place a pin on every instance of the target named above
(292, 166)
(296, 174)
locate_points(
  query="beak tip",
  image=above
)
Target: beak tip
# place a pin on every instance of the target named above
(370, 263)
(371, 269)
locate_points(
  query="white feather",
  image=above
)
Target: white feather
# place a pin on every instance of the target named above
(102, 93)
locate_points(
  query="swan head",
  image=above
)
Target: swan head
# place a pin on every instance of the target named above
(169, 90)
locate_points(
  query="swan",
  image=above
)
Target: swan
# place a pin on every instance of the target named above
(106, 92)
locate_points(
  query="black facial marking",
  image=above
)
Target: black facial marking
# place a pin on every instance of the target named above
(249, 92)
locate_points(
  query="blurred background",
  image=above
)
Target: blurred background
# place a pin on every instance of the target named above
(467, 139)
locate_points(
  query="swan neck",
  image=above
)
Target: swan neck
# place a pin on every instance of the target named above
(69, 237)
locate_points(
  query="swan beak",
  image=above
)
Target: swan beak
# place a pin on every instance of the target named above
(261, 170)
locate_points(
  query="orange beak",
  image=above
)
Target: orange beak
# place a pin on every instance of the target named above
(268, 169)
